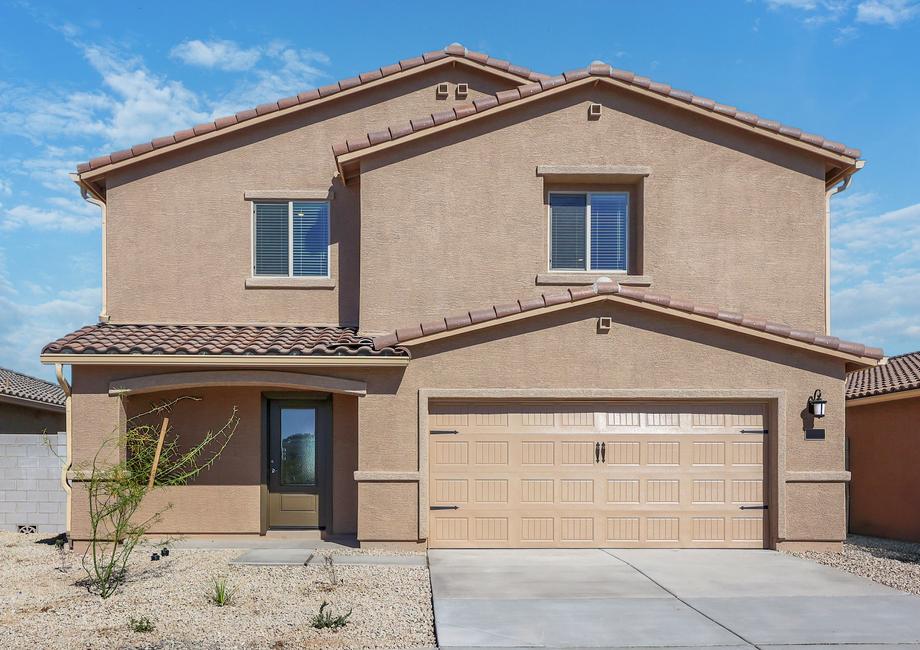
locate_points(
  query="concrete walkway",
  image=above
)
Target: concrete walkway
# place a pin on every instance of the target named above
(660, 598)
(300, 557)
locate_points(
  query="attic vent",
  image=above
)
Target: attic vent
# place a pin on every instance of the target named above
(594, 111)
(442, 91)
(463, 90)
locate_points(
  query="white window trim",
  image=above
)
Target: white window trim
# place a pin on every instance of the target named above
(549, 233)
(290, 204)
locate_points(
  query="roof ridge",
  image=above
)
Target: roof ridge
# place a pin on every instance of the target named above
(595, 69)
(454, 49)
(495, 312)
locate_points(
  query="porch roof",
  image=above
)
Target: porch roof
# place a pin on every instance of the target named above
(219, 340)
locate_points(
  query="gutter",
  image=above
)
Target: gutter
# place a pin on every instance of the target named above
(91, 195)
(836, 189)
(68, 428)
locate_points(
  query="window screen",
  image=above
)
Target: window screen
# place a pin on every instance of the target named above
(271, 235)
(567, 215)
(291, 239)
(589, 231)
(608, 232)
(311, 238)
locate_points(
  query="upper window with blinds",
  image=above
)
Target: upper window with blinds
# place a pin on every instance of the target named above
(290, 239)
(588, 231)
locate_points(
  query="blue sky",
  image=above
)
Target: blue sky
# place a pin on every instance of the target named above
(76, 82)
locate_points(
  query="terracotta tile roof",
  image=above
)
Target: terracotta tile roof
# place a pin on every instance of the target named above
(15, 384)
(900, 373)
(596, 69)
(107, 338)
(453, 50)
(466, 319)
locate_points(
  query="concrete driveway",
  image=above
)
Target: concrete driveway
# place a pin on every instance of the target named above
(660, 598)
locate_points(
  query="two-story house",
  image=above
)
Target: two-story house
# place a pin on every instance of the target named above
(440, 295)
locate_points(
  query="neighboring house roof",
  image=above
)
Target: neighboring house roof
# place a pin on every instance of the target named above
(454, 51)
(595, 71)
(216, 340)
(732, 320)
(23, 387)
(900, 373)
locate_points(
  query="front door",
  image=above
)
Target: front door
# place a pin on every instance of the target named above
(298, 446)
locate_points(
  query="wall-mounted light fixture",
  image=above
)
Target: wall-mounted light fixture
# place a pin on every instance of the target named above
(817, 404)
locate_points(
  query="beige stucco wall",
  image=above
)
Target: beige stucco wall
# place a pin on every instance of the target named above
(884, 454)
(179, 231)
(227, 497)
(563, 350)
(458, 219)
(17, 418)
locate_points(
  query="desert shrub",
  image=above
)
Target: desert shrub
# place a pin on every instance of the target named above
(117, 489)
(142, 624)
(221, 591)
(328, 619)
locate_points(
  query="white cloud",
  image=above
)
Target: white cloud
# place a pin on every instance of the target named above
(875, 265)
(220, 54)
(288, 71)
(62, 214)
(818, 11)
(27, 327)
(886, 12)
(5, 188)
(146, 105)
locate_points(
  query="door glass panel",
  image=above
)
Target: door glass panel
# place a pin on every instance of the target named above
(298, 446)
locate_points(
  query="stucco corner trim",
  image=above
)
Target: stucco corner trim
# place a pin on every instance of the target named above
(301, 282)
(316, 194)
(386, 477)
(818, 477)
(610, 173)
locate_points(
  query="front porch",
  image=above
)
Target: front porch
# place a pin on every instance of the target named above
(287, 469)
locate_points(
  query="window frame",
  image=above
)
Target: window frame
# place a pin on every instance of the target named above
(589, 218)
(290, 225)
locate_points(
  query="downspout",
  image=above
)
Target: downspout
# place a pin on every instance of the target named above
(68, 458)
(92, 197)
(837, 189)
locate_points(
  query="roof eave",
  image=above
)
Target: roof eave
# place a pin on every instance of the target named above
(343, 160)
(892, 396)
(223, 360)
(853, 361)
(31, 403)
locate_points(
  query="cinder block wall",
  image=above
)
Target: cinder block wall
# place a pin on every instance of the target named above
(30, 482)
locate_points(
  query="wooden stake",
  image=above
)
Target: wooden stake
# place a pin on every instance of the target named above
(156, 456)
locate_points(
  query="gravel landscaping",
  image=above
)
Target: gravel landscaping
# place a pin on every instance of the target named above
(272, 607)
(891, 563)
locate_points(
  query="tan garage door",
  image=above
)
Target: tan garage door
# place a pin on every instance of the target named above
(687, 475)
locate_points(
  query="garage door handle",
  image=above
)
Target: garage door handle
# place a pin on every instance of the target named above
(763, 507)
(597, 451)
(444, 432)
(603, 452)
(764, 431)
(444, 508)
